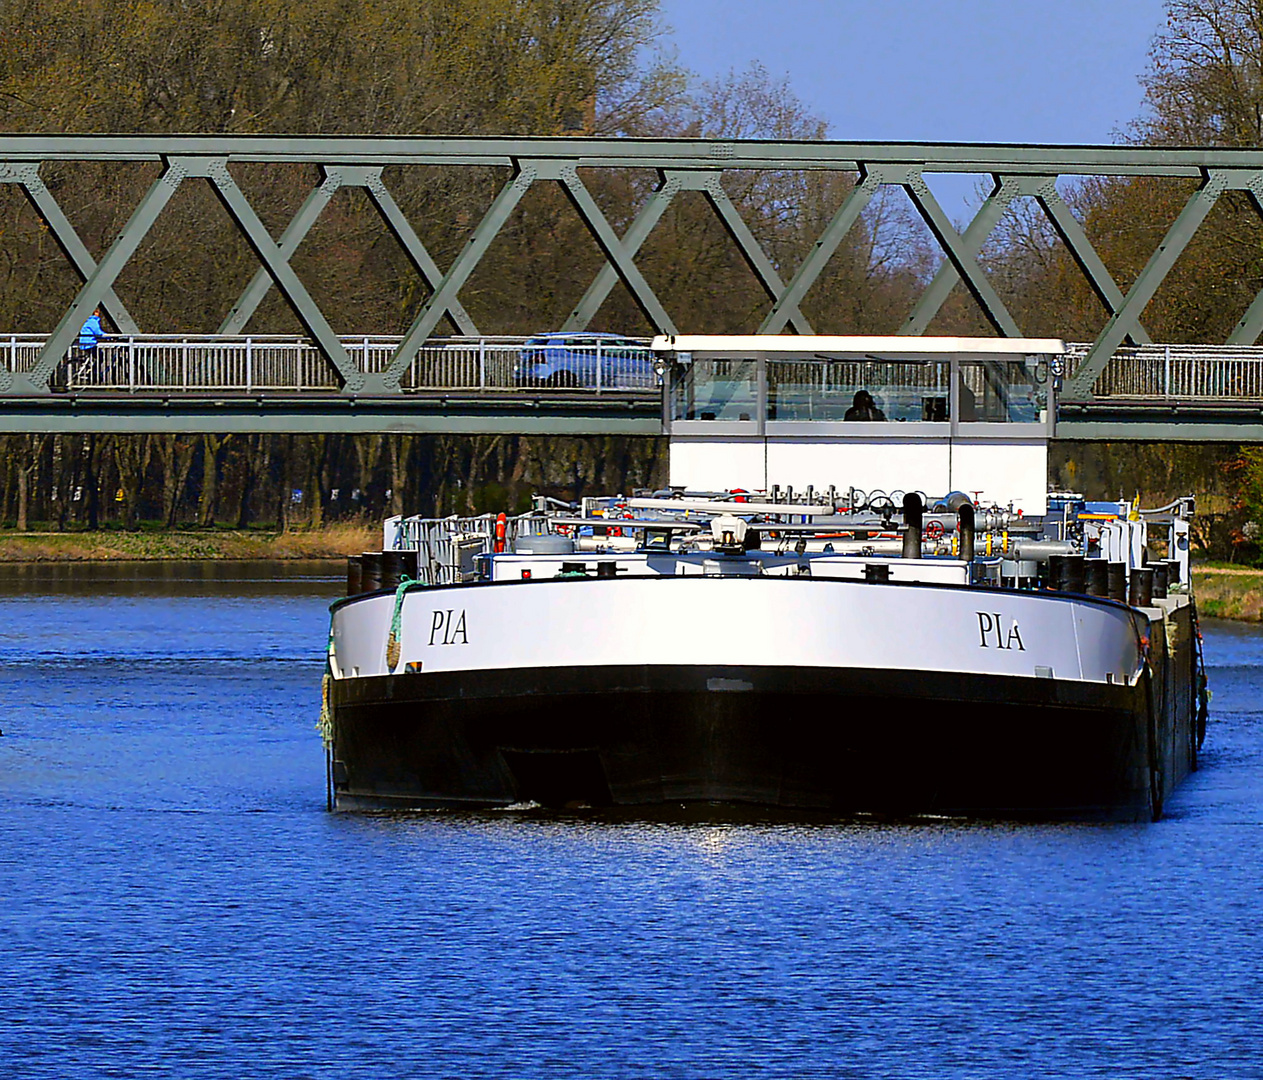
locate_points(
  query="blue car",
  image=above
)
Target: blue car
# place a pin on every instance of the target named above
(588, 361)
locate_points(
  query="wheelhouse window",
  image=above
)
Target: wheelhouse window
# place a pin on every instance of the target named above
(724, 388)
(1005, 390)
(777, 390)
(858, 390)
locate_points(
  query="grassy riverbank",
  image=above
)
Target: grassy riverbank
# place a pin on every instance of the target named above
(1229, 592)
(330, 542)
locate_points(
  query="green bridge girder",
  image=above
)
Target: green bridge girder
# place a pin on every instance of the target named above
(315, 412)
(514, 413)
(1017, 171)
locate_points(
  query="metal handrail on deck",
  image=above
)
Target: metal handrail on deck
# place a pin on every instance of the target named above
(446, 547)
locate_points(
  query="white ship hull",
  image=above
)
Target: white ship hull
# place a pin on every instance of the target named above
(783, 691)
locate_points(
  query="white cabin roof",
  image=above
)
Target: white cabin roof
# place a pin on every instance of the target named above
(887, 346)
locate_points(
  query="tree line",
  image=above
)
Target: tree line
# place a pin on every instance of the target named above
(529, 67)
(77, 482)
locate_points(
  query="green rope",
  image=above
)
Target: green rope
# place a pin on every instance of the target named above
(392, 642)
(324, 724)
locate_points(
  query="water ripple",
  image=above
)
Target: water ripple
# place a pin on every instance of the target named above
(175, 901)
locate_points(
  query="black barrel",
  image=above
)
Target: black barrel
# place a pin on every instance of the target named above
(396, 566)
(410, 564)
(354, 575)
(370, 571)
(1141, 592)
(1173, 572)
(1159, 580)
(1075, 570)
(913, 509)
(1097, 577)
(392, 569)
(1117, 589)
(1056, 572)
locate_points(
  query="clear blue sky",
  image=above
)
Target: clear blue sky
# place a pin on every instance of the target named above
(937, 70)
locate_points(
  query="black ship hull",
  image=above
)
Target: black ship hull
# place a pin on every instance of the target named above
(843, 741)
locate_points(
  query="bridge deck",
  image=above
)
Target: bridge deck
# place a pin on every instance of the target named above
(231, 383)
(329, 411)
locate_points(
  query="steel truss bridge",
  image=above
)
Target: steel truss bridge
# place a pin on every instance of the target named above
(1122, 385)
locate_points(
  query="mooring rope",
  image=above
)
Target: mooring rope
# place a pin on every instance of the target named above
(324, 724)
(392, 642)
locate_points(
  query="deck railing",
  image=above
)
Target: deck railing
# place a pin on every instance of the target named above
(446, 547)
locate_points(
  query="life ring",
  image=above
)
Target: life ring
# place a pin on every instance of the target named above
(502, 528)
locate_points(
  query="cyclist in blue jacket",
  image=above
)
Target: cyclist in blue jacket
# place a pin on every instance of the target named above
(90, 332)
(90, 335)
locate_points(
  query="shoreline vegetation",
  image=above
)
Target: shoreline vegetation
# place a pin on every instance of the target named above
(1223, 591)
(1229, 592)
(333, 541)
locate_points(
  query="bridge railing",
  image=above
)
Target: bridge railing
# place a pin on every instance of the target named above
(1206, 374)
(18, 352)
(1177, 373)
(215, 363)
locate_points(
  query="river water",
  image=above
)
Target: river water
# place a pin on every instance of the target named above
(176, 901)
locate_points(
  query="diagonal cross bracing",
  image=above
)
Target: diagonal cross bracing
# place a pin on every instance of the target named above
(1127, 318)
(660, 198)
(822, 251)
(752, 251)
(102, 279)
(959, 253)
(681, 164)
(335, 178)
(612, 247)
(669, 185)
(277, 266)
(1044, 190)
(406, 237)
(293, 235)
(616, 251)
(984, 222)
(445, 293)
(50, 213)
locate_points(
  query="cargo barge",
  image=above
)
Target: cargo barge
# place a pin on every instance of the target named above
(939, 636)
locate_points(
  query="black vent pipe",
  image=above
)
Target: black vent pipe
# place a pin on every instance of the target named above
(965, 530)
(913, 509)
